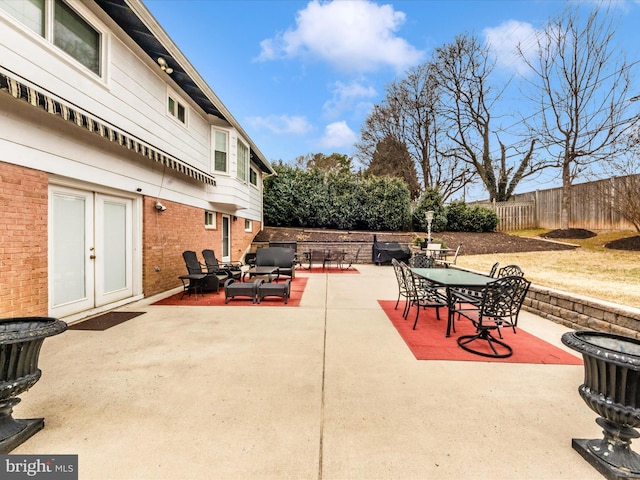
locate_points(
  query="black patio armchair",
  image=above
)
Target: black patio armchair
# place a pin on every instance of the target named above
(211, 281)
(499, 307)
(231, 270)
(422, 294)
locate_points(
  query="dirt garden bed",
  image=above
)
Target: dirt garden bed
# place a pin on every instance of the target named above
(472, 243)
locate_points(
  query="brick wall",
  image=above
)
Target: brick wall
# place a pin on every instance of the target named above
(23, 245)
(167, 234)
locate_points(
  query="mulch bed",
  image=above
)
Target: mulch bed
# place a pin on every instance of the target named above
(630, 243)
(473, 243)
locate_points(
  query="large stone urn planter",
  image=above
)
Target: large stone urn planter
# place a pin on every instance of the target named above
(611, 388)
(20, 342)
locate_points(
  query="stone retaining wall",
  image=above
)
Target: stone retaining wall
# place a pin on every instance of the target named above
(580, 313)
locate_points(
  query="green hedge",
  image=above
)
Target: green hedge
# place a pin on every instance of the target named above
(314, 199)
(346, 201)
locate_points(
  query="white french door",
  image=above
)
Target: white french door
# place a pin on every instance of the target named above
(90, 250)
(226, 238)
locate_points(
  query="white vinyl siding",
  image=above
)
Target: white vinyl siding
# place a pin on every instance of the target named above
(59, 24)
(220, 151)
(243, 161)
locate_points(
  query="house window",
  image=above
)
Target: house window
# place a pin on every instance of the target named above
(209, 219)
(30, 14)
(65, 29)
(176, 109)
(220, 151)
(248, 225)
(243, 161)
(253, 177)
(76, 37)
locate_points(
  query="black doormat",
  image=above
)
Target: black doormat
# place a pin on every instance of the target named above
(104, 321)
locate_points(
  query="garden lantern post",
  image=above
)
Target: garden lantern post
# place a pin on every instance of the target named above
(429, 216)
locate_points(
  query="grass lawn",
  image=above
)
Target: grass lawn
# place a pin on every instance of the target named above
(591, 270)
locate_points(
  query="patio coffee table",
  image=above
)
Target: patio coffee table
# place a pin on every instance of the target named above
(266, 271)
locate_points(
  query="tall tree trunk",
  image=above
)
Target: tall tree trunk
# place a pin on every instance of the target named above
(566, 196)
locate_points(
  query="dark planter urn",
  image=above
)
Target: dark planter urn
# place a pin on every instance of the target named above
(611, 389)
(20, 342)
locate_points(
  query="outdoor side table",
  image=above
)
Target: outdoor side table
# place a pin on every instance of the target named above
(192, 283)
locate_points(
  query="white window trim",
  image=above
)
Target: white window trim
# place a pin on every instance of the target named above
(250, 228)
(213, 150)
(251, 169)
(214, 225)
(178, 99)
(46, 42)
(248, 160)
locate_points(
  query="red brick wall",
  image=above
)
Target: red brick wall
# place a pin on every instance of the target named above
(23, 245)
(24, 242)
(167, 234)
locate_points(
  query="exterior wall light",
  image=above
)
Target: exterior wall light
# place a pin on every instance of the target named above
(164, 66)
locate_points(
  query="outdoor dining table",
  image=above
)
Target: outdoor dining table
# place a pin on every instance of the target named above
(328, 256)
(452, 278)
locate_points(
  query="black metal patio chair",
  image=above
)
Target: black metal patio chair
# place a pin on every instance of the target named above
(499, 307)
(403, 290)
(509, 271)
(422, 294)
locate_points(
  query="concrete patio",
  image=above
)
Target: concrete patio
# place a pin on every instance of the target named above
(326, 390)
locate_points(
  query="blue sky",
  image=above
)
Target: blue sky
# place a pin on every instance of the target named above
(301, 76)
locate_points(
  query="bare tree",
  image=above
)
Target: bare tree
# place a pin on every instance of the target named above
(624, 185)
(464, 70)
(408, 114)
(581, 83)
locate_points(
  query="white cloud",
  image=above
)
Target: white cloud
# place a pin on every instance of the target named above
(282, 124)
(346, 97)
(338, 135)
(505, 38)
(351, 35)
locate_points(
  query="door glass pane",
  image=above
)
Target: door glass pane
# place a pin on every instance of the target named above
(225, 237)
(76, 37)
(115, 246)
(69, 249)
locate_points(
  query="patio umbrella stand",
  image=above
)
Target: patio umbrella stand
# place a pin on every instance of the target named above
(611, 389)
(20, 342)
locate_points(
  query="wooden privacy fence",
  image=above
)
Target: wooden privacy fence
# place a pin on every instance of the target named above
(513, 215)
(593, 206)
